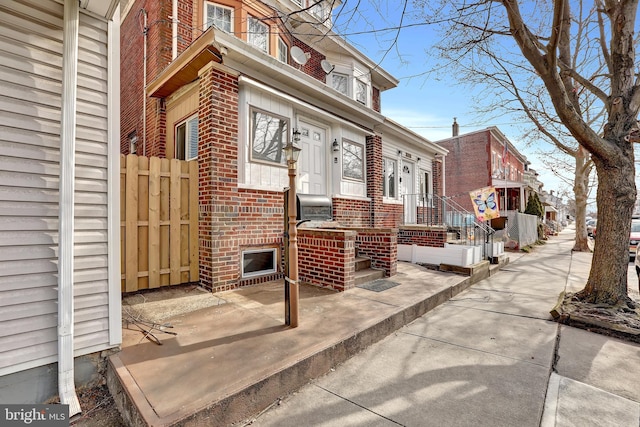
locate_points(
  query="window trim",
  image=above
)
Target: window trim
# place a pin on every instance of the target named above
(425, 173)
(187, 146)
(385, 187)
(284, 58)
(272, 270)
(221, 6)
(362, 161)
(287, 120)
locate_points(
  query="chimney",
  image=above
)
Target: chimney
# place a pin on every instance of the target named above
(455, 127)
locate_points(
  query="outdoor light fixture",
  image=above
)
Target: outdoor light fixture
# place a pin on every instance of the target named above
(335, 146)
(292, 295)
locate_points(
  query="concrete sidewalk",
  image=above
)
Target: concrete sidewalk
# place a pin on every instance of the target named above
(487, 355)
(490, 356)
(233, 360)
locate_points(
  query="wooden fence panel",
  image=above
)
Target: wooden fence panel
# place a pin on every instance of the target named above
(159, 199)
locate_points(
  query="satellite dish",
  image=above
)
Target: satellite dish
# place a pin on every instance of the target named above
(326, 66)
(298, 55)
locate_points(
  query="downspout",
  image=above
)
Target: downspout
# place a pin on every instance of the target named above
(144, 85)
(66, 387)
(174, 29)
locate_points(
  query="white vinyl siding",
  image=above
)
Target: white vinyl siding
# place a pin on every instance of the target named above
(30, 102)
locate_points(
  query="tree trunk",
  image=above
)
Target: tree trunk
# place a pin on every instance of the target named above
(580, 192)
(616, 198)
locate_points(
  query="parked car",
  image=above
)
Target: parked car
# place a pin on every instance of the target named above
(634, 238)
(591, 226)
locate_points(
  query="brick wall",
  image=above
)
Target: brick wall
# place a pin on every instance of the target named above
(352, 213)
(381, 245)
(375, 100)
(467, 166)
(435, 237)
(312, 67)
(374, 177)
(390, 216)
(132, 74)
(327, 258)
(218, 177)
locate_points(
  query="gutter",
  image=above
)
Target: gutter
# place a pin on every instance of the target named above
(66, 386)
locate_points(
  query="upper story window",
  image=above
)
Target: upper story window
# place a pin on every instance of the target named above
(283, 51)
(340, 82)
(258, 34)
(361, 92)
(186, 139)
(221, 17)
(319, 10)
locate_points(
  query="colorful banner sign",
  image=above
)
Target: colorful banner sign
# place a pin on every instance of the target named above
(485, 203)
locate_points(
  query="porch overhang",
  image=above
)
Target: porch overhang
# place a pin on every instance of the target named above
(184, 69)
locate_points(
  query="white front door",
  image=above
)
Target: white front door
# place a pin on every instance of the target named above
(312, 165)
(409, 192)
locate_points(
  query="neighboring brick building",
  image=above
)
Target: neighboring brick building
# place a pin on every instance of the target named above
(481, 159)
(231, 90)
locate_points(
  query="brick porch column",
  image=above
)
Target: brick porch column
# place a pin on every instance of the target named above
(218, 178)
(374, 179)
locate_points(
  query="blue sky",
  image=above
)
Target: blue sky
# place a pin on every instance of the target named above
(425, 103)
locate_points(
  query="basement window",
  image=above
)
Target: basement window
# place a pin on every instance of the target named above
(259, 262)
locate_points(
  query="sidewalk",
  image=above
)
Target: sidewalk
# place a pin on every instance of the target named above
(486, 356)
(233, 360)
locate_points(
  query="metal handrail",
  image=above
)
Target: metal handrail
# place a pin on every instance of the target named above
(442, 210)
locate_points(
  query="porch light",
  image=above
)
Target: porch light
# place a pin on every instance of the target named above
(335, 146)
(291, 150)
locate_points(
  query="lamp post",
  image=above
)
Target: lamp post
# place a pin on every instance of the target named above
(292, 152)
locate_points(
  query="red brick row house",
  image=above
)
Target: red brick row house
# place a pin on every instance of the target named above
(227, 83)
(485, 158)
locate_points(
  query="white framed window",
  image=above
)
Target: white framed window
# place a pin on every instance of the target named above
(298, 2)
(352, 160)
(283, 51)
(221, 17)
(319, 10)
(340, 82)
(258, 262)
(389, 181)
(186, 139)
(424, 185)
(258, 34)
(268, 136)
(362, 92)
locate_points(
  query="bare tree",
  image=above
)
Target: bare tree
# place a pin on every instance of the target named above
(550, 42)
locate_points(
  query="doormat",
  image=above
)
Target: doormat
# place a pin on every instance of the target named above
(378, 285)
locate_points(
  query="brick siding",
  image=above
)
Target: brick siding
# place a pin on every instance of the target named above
(435, 237)
(326, 258)
(381, 245)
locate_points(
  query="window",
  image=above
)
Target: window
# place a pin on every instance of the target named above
(133, 142)
(352, 160)
(389, 178)
(340, 82)
(258, 262)
(318, 10)
(186, 139)
(425, 188)
(298, 2)
(258, 34)
(220, 17)
(283, 51)
(269, 134)
(361, 92)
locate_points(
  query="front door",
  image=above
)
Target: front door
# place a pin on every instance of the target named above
(312, 165)
(409, 192)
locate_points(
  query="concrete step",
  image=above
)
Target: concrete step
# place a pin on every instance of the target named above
(367, 275)
(363, 263)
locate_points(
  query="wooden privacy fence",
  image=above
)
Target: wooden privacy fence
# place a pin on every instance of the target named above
(159, 222)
